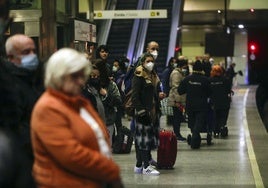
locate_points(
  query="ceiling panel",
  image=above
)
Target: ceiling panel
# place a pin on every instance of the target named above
(247, 4)
(205, 12)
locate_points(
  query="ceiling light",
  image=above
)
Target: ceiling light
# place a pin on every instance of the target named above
(241, 26)
(228, 30)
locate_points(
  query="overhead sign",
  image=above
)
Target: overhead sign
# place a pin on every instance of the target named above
(130, 14)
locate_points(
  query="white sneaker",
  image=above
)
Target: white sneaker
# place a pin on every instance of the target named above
(150, 171)
(138, 170)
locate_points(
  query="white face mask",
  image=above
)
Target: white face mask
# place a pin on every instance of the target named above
(115, 69)
(175, 65)
(149, 66)
(154, 54)
(184, 71)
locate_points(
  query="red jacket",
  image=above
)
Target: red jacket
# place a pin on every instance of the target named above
(65, 147)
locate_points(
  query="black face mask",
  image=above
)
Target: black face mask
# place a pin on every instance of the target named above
(95, 82)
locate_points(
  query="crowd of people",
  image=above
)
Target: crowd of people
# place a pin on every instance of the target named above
(58, 118)
(92, 93)
(203, 90)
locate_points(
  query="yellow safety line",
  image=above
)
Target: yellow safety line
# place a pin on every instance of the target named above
(251, 153)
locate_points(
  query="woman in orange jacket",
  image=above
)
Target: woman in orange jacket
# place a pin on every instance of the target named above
(70, 141)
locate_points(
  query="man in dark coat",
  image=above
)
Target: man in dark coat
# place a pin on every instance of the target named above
(24, 66)
(230, 72)
(15, 166)
(196, 87)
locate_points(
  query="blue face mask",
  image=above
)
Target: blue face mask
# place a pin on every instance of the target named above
(29, 62)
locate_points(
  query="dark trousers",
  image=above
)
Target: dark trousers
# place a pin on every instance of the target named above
(177, 119)
(169, 120)
(220, 117)
(118, 118)
(142, 157)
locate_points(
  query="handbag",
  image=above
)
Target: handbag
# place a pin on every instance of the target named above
(165, 108)
(128, 105)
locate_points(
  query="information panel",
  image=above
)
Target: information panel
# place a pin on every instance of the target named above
(130, 14)
(84, 31)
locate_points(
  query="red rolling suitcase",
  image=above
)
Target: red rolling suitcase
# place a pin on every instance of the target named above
(167, 149)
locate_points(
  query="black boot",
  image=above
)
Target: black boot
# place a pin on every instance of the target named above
(180, 137)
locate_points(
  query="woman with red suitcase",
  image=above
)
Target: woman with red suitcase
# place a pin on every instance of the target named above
(145, 94)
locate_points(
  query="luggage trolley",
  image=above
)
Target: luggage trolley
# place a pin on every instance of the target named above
(208, 138)
(206, 128)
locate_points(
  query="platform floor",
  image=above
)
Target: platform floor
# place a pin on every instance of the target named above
(241, 160)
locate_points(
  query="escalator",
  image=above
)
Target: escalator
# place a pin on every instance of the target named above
(159, 31)
(120, 31)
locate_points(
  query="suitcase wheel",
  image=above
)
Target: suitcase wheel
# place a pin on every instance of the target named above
(224, 131)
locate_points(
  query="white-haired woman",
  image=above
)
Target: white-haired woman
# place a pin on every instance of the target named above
(70, 141)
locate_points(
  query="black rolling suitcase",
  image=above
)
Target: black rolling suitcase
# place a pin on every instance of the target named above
(123, 141)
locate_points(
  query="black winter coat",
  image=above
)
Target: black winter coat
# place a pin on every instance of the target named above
(28, 88)
(143, 94)
(196, 87)
(16, 166)
(111, 102)
(220, 92)
(165, 79)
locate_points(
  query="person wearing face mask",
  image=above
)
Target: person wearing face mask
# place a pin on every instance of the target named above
(145, 94)
(152, 48)
(197, 90)
(15, 165)
(110, 96)
(172, 64)
(176, 100)
(91, 91)
(24, 65)
(119, 71)
(185, 69)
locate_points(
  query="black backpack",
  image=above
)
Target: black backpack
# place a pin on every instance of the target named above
(123, 141)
